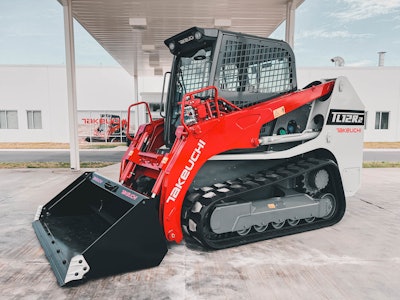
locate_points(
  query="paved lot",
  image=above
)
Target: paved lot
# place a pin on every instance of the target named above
(359, 258)
(115, 155)
(58, 155)
(391, 155)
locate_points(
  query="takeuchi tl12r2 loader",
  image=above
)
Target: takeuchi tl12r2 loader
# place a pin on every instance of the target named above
(241, 155)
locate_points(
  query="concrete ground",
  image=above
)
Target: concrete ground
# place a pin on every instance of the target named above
(358, 258)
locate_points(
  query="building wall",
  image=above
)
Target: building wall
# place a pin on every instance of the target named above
(35, 88)
(377, 87)
(102, 89)
(43, 88)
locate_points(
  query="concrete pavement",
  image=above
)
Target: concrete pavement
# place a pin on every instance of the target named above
(358, 258)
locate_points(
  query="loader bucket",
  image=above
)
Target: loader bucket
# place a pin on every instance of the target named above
(96, 227)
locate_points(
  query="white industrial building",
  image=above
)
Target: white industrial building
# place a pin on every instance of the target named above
(40, 103)
(378, 88)
(33, 99)
(51, 104)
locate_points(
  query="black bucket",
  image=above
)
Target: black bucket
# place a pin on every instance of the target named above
(96, 227)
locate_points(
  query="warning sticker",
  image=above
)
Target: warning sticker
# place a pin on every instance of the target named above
(280, 111)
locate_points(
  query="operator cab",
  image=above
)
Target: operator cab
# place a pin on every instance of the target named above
(246, 70)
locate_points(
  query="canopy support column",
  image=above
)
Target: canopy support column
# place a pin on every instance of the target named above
(71, 85)
(290, 20)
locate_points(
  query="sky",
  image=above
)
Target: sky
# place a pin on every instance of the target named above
(32, 32)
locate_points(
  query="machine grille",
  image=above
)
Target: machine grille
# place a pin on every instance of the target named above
(251, 71)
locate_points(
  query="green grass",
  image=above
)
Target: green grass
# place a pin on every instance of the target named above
(381, 164)
(382, 145)
(51, 165)
(101, 145)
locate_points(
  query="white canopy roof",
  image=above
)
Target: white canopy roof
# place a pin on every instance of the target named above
(134, 30)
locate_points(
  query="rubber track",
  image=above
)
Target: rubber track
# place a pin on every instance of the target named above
(229, 191)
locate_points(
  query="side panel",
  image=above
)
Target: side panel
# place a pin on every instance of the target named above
(344, 133)
(341, 137)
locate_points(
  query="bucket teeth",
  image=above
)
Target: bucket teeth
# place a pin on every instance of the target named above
(38, 213)
(78, 267)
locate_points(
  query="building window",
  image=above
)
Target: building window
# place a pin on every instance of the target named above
(154, 107)
(34, 119)
(381, 120)
(8, 119)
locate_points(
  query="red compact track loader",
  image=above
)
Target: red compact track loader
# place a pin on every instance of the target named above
(242, 155)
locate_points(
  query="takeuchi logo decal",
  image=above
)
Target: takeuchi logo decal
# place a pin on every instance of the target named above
(194, 157)
(102, 121)
(97, 179)
(348, 130)
(129, 194)
(186, 39)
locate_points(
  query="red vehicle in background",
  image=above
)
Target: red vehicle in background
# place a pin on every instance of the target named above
(110, 129)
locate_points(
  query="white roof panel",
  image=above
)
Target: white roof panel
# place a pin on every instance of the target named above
(108, 22)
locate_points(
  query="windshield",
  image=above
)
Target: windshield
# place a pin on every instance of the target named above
(191, 73)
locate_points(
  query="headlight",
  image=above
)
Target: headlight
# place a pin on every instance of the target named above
(171, 46)
(198, 35)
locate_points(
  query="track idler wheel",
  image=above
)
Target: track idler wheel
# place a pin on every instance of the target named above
(293, 222)
(244, 232)
(309, 220)
(278, 225)
(331, 205)
(260, 228)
